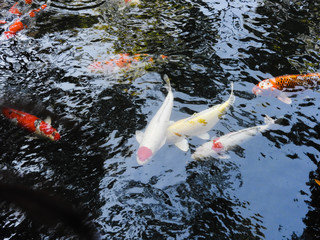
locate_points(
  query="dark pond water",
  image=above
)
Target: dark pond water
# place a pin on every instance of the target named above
(266, 190)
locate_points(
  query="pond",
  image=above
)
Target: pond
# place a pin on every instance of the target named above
(264, 190)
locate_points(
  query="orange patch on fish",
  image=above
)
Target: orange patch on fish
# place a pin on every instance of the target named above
(317, 181)
(178, 134)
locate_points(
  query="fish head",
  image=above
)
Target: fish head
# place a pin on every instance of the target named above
(264, 87)
(144, 155)
(47, 131)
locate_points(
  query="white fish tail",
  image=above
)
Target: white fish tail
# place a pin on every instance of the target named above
(268, 120)
(232, 98)
(166, 78)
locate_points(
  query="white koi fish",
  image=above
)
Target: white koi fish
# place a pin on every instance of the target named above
(155, 134)
(218, 146)
(198, 124)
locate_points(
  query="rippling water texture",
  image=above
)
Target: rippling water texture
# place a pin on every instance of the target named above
(266, 190)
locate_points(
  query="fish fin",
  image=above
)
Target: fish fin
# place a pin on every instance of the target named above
(163, 142)
(284, 98)
(204, 136)
(223, 156)
(268, 120)
(232, 98)
(48, 120)
(183, 145)
(139, 136)
(167, 80)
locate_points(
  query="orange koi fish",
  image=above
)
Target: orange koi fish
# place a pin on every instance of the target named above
(32, 123)
(23, 22)
(275, 86)
(121, 61)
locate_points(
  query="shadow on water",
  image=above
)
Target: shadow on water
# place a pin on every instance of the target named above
(262, 192)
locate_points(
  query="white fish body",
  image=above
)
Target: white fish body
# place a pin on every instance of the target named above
(155, 134)
(218, 146)
(198, 124)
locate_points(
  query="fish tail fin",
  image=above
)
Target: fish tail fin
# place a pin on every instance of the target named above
(167, 80)
(232, 98)
(268, 120)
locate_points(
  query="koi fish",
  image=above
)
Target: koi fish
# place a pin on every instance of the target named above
(122, 61)
(198, 124)
(23, 21)
(32, 123)
(218, 146)
(154, 136)
(274, 87)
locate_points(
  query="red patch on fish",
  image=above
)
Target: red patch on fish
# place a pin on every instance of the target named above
(31, 123)
(216, 144)
(15, 10)
(144, 154)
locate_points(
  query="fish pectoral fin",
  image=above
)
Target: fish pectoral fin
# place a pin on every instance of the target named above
(183, 145)
(204, 136)
(223, 155)
(48, 120)
(284, 98)
(139, 136)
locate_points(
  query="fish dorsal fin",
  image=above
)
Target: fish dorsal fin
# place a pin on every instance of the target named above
(48, 120)
(139, 136)
(204, 136)
(183, 145)
(232, 98)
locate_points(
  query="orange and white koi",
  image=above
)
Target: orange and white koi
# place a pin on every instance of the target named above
(218, 146)
(122, 61)
(32, 123)
(198, 124)
(154, 136)
(275, 87)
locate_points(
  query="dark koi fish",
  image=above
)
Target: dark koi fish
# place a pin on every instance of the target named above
(32, 123)
(277, 86)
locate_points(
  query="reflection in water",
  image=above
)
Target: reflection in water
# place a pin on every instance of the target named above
(259, 193)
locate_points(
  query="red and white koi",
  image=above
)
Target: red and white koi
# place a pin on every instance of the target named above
(198, 124)
(23, 20)
(276, 87)
(32, 123)
(218, 146)
(154, 136)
